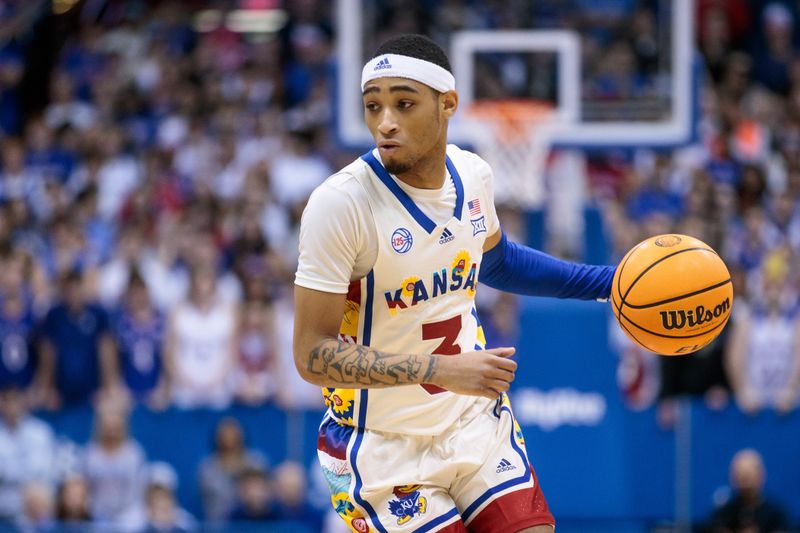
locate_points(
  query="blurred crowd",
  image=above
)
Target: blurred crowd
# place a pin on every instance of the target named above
(149, 206)
(148, 212)
(737, 188)
(110, 485)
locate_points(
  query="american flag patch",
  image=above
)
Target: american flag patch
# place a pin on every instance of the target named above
(474, 207)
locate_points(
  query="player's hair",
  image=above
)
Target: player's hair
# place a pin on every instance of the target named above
(415, 45)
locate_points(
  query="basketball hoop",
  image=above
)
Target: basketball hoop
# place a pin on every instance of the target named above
(514, 137)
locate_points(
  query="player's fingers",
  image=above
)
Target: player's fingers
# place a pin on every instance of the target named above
(505, 364)
(503, 351)
(498, 385)
(502, 374)
(490, 393)
(482, 390)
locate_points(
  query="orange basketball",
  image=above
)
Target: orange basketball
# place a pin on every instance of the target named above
(672, 294)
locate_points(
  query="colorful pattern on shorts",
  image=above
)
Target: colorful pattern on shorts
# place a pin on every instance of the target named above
(505, 402)
(480, 336)
(333, 438)
(340, 403)
(348, 512)
(332, 452)
(520, 438)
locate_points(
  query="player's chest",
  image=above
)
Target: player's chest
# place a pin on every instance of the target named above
(416, 267)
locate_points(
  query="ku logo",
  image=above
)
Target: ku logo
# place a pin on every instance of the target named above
(478, 225)
(409, 503)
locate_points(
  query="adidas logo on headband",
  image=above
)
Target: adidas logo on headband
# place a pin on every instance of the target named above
(412, 68)
(382, 64)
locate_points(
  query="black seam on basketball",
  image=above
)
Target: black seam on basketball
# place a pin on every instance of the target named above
(675, 299)
(622, 268)
(671, 336)
(630, 333)
(653, 264)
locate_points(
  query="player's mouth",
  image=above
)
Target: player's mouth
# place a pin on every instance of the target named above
(388, 148)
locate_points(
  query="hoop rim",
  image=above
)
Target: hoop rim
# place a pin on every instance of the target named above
(511, 121)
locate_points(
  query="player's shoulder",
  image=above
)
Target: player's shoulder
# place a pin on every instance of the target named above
(347, 181)
(348, 177)
(343, 189)
(466, 161)
(456, 152)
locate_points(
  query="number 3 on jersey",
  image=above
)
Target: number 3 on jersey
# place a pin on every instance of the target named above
(448, 331)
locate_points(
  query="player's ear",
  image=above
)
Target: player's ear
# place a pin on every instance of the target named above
(448, 103)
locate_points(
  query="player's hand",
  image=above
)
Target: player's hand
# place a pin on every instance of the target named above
(482, 373)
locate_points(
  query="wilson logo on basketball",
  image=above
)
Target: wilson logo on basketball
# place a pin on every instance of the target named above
(693, 317)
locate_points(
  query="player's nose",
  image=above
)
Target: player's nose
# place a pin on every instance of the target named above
(387, 123)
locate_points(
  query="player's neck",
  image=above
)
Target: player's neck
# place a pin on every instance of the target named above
(429, 172)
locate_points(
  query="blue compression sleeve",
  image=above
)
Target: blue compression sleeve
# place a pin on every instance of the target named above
(515, 268)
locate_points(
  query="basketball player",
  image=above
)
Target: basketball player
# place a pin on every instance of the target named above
(419, 434)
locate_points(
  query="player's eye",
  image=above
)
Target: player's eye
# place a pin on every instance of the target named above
(371, 106)
(405, 104)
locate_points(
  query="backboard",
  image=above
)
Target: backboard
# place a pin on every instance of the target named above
(618, 72)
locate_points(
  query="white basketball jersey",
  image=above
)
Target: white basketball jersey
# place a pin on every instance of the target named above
(418, 298)
(770, 355)
(203, 342)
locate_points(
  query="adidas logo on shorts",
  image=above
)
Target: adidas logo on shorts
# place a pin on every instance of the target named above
(382, 64)
(504, 466)
(447, 236)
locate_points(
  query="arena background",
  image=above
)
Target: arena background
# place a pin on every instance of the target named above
(157, 156)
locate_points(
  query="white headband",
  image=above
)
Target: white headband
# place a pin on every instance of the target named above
(397, 66)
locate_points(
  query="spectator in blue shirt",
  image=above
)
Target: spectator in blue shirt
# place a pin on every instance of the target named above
(16, 327)
(139, 332)
(655, 195)
(78, 354)
(44, 157)
(291, 492)
(12, 68)
(772, 59)
(256, 494)
(721, 166)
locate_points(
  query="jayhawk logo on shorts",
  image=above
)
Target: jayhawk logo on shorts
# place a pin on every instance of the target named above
(408, 504)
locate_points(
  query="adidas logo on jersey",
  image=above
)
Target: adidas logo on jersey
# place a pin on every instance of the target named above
(504, 466)
(447, 236)
(382, 64)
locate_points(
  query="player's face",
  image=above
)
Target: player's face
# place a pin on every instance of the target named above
(407, 120)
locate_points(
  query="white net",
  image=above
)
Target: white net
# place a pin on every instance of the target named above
(514, 138)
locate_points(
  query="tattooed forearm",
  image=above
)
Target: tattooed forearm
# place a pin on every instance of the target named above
(341, 363)
(431, 370)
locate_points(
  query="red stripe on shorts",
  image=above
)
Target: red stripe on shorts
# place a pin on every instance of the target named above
(514, 511)
(456, 527)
